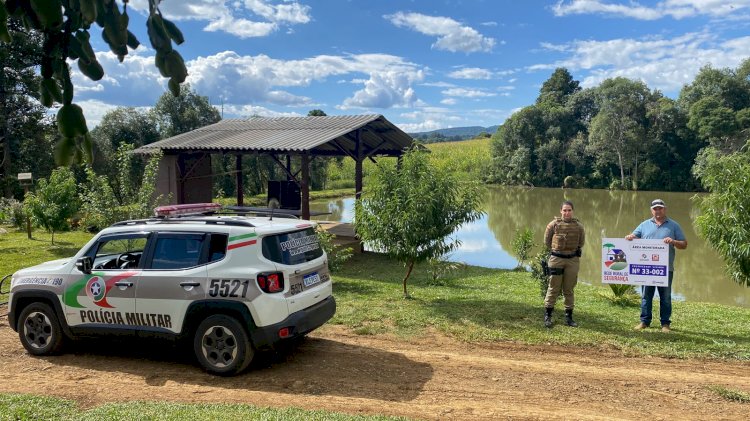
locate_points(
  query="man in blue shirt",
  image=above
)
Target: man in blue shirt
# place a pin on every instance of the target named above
(659, 228)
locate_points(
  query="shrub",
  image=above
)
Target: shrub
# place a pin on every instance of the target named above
(523, 242)
(12, 213)
(337, 254)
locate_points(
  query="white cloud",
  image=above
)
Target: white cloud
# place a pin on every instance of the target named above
(666, 64)
(255, 79)
(677, 9)
(94, 111)
(467, 93)
(439, 84)
(471, 73)
(449, 101)
(244, 111)
(134, 81)
(267, 16)
(451, 35)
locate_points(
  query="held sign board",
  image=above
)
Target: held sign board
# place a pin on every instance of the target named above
(637, 262)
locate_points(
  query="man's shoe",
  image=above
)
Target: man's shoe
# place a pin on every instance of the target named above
(665, 328)
(640, 326)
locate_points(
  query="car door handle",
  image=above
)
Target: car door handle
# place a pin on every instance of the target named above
(126, 284)
(190, 284)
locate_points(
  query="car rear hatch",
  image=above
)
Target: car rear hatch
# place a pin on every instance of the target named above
(299, 256)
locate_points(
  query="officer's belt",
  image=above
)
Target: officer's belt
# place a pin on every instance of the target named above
(561, 255)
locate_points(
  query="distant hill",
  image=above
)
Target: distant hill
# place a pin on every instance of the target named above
(453, 134)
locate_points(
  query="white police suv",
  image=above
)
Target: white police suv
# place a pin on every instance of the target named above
(230, 283)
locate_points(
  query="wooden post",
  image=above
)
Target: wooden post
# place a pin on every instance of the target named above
(28, 217)
(358, 166)
(305, 185)
(240, 187)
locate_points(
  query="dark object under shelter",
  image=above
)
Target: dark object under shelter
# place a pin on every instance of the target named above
(185, 170)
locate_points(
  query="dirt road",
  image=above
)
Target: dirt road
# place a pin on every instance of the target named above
(432, 377)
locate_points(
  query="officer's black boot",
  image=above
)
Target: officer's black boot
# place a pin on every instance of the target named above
(569, 318)
(548, 317)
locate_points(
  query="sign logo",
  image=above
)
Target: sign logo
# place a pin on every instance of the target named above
(96, 289)
(615, 259)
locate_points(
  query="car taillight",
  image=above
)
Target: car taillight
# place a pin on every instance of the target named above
(271, 282)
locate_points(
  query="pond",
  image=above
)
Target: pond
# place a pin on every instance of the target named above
(699, 271)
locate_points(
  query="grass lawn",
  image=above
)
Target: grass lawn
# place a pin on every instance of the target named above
(29, 407)
(483, 305)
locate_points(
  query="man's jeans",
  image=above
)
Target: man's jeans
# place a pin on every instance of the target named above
(665, 302)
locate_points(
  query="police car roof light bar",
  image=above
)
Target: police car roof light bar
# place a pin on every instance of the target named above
(186, 209)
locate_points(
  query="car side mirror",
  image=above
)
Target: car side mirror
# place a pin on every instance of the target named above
(84, 264)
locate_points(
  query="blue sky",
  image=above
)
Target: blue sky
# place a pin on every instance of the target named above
(423, 64)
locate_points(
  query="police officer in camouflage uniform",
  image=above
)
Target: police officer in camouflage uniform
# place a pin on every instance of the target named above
(564, 237)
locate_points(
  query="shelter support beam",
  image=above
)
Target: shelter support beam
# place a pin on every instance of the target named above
(240, 187)
(358, 165)
(305, 186)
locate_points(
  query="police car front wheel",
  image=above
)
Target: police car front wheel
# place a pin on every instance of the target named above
(39, 330)
(222, 345)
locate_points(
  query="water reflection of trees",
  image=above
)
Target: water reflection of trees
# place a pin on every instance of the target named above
(699, 270)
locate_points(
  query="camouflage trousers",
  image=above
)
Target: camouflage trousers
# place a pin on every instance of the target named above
(566, 281)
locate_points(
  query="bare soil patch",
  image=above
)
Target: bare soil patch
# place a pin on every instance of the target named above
(431, 377)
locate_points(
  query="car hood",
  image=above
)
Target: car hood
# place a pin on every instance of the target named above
(47, 268)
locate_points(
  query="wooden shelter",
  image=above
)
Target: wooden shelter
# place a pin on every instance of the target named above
(185, 170)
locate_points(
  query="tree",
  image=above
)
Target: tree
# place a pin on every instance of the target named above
(180, 114)
(104, 201)
(22, 119)
(717, 103)
(557, 89)
(724, 221)
(408, 211)
(513, 147)
(617, 133)
(65, 26)
(54, 201)
(123, 125)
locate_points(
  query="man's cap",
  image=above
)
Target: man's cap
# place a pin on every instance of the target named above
(658, 203)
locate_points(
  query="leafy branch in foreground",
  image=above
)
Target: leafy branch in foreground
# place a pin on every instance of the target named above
(66, 25)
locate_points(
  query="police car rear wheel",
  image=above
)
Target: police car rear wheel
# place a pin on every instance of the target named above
(222, 345)
(39, 330)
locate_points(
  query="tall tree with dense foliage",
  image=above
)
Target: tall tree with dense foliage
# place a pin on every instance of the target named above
(180, 114)
(53, 201)
(718, 106)
(23, 123)
(410, 210)
(618, 132)
(558, 88)
(66, 27)
(123, 125)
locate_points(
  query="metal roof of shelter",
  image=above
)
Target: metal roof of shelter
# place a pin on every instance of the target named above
(319, 135)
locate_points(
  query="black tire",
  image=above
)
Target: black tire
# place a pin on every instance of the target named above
(222, 345)
(39, 330)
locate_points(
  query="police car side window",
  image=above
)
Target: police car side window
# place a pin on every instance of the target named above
(119, 252)
(217, 248)
(178, 252)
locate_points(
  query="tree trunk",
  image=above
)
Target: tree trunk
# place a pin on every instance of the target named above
(622, 170)
(408, 272)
